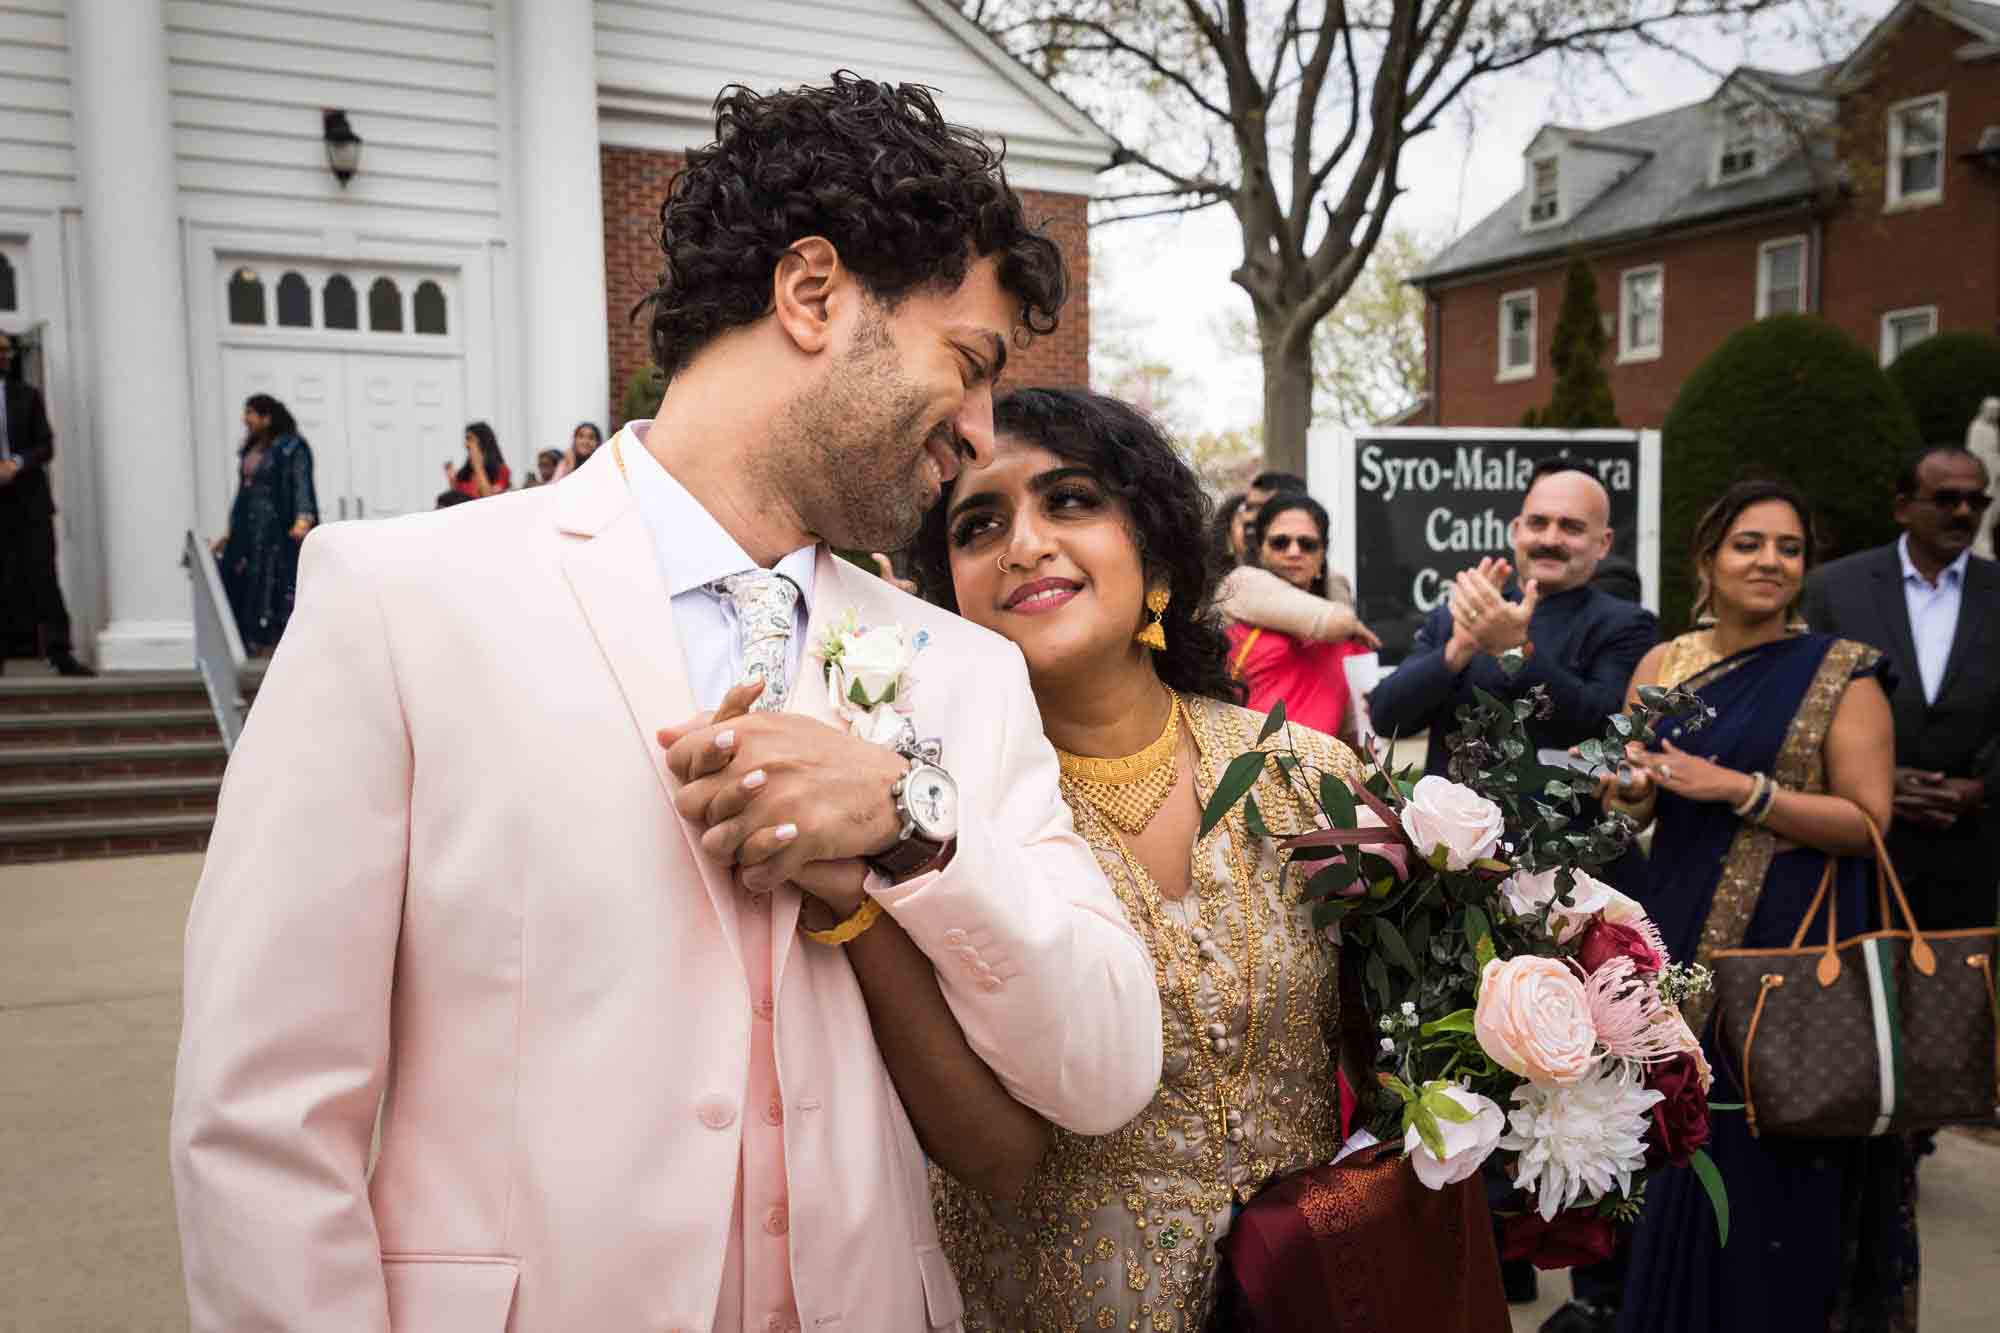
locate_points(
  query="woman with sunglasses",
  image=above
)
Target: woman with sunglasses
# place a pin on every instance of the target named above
(1279, 653)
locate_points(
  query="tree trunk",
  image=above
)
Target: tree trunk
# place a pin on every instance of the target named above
(1288, 390)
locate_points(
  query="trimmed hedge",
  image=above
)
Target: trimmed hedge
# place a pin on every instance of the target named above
(1794, 397)
(1943, 380)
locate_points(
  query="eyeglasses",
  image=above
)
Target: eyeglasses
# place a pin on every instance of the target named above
(1283, 543)
(1947, 501)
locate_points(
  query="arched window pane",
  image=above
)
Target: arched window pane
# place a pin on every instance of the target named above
(295, 302)
(342, 309)
(10, 299)
(429, 308)
(385, 306)
(246, 297)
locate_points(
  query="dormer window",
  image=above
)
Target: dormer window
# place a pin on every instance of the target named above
(1544, 195)
(1741, 131)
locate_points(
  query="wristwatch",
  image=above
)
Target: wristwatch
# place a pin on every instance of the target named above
(927, 809)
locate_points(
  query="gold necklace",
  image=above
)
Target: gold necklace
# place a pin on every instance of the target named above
(1131, 790)
(1190, 948)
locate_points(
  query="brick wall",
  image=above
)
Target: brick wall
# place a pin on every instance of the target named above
(1945, 254)
(1709, 285)
(635, 182)
(1873, 259)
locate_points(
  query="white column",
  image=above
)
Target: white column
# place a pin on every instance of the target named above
(564, 373)
(142, 444)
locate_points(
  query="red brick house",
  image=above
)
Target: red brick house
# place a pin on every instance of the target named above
(1867, 192)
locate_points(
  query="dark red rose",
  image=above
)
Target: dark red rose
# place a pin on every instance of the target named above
(1604, 940)
(1575, 1239)
(1680, 1120)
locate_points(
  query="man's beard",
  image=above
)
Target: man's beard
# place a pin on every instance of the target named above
(858, 450)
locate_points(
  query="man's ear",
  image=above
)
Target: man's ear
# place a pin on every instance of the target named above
(805, 286)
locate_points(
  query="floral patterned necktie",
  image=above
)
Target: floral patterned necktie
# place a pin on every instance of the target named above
(766, 607)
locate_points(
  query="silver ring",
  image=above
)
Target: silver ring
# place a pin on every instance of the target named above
(1666, 772)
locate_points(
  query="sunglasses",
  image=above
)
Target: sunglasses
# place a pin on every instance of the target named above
(1283, 543)
(1949, 501)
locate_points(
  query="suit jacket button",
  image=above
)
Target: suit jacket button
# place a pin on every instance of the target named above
(717, 1113)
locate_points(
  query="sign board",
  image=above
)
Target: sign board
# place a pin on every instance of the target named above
(1412, 506)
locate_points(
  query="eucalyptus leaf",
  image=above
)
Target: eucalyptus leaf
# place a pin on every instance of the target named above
(1377, 973)
(1253, 818)
(1391, 940)
(1273, 722)
(1477, 927)
(1718, 1193)
(1330, 879)
(1237, 780)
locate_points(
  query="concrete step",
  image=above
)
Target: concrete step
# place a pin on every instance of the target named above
(115, 796)
(23, 840)
(125, 690)
(117, 759)
(105, 726)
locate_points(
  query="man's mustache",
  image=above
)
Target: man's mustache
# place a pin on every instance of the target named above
(1547, 553)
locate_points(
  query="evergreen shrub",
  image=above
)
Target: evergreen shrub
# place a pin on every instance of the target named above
(1943, 380)
(1793, 397)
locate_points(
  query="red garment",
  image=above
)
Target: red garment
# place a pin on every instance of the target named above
(1310, 677)
(470, 486)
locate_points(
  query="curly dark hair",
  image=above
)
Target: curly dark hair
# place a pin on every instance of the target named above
(1222, 527)
(1283, 502)
(1133, 461)
(908, 200)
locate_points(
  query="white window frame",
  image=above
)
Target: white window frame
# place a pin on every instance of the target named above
(1764, 272)
(1749, 117)
(1889, 318)
(1627, 351)
(1528, 219)
(1898, 197)
(1509, 373)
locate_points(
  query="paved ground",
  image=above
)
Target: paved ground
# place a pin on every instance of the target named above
(89, 1014)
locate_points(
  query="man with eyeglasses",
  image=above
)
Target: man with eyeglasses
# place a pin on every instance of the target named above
(1934, 607)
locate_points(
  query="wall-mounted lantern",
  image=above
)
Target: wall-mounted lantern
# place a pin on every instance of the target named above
(343, 146)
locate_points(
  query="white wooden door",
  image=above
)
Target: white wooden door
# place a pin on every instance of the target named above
(311, 384)
(405, 420)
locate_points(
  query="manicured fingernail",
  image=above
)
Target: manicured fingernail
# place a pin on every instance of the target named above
(785, 832)
(725, 740)
(753, 779)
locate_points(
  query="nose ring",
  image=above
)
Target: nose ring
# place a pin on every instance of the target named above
(1002, 562)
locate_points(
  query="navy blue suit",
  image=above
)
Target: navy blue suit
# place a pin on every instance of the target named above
(1587, 645)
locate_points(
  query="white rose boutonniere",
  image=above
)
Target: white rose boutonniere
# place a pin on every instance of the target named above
(868, 676)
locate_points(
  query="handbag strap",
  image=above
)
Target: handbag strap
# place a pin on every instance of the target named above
(1829, 960)
(1886, 879)
(1768, 983)
(1243, 654)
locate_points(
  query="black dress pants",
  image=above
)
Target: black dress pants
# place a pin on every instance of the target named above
(35, 621)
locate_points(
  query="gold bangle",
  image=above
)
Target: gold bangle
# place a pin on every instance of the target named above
(857, 924)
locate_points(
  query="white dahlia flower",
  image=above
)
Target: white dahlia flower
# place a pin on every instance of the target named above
(1578, 1141)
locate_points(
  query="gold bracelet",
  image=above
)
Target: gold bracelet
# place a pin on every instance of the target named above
(857, 924)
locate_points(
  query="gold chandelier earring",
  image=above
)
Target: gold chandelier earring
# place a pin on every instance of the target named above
(1154, 636)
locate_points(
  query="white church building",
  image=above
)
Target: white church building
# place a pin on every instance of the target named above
(174, 235)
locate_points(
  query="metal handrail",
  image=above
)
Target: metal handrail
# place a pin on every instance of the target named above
(218, 648)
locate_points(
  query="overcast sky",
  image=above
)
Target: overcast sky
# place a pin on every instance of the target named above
(1166, 282)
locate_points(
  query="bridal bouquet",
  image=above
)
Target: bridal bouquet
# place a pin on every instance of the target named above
(1525, 1010)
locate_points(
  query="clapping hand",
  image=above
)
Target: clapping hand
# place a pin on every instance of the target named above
(1690, 776)
(1464, 644)
(1495, 624)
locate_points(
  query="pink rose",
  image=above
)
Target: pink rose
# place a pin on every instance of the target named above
(1604, 939)
(1534, 1018)
(1395, 853)
(1444, 814)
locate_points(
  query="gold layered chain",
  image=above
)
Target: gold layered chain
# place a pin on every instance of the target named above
(1129, 791)
(1192, 948)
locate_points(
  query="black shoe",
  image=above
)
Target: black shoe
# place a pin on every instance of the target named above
(1581, 1317)
(1518, 1277)
(67, 665)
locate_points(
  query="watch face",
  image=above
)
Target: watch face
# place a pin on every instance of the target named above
(933, 803)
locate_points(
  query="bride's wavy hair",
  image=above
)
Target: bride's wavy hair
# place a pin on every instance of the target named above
(1169, 516)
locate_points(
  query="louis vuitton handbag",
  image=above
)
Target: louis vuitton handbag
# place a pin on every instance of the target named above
(1879, 1033)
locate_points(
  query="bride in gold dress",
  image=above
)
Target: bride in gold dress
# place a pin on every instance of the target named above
(1081, 543)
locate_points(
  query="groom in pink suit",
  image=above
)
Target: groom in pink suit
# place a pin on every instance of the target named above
(622, 1055)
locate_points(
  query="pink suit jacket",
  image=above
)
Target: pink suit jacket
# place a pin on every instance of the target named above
(447, 879)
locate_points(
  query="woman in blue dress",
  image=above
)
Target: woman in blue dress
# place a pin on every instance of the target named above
(1746, 810)
(274, 510)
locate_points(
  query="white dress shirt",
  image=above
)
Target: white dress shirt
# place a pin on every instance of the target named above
(694, 551)
(1933, 611)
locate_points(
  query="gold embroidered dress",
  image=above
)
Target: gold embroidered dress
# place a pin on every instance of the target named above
(1119, 1231)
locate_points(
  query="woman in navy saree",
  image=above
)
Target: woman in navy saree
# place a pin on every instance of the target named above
(1747, 808)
